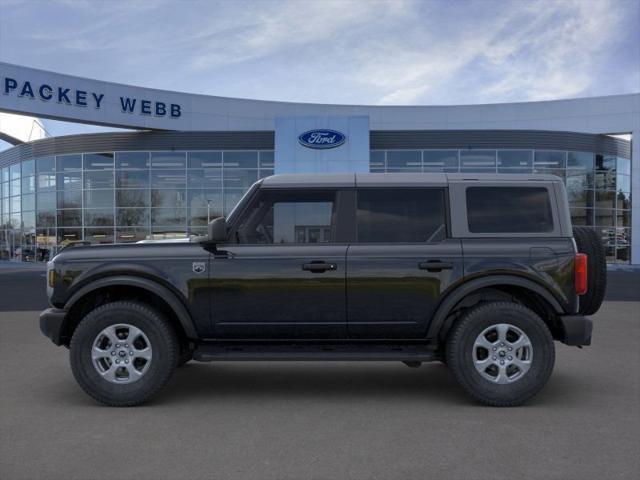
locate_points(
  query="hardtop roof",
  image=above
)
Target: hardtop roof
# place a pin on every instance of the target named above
(409, 179)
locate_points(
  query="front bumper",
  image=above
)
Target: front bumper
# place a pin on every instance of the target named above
(576, 330)
(52, 324)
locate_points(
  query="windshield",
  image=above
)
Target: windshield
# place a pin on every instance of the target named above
(244, 198)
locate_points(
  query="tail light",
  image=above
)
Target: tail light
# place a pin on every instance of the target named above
(580, 273)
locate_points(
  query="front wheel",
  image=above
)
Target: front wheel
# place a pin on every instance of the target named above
(123, 353)
(501, 353)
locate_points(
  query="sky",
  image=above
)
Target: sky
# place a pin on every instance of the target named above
(394, 52)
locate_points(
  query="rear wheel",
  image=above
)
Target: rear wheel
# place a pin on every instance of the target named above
(501, 353)
(123, 353)
(588, 242)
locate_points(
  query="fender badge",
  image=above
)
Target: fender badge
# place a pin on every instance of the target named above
(199, 267)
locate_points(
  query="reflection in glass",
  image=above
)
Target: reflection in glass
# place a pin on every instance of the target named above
(168, 198)
(132, 160)
(168, 179)
(129, 235)
(69, 162)
(132, 179)
(440, 160)
(14, 204)
(69, 180)
(408, 160)
(14, 187)
(70, 218)
(28, 184)
(98, 179)
(98, 217)
(98, 235)
(240, 159)
(28, 168)
(46, 218)
(582, 216)
(266, 159)
(583, 160)
(605, 199)
(46, 181)
(520, 159)
(29, 202)
(481, 161)
(376, 159)
(14, 171)
(132, 198)
(66, 235)
(239, 178)
(132, 216)
(46, 201)
(98, 199)
(623, 183)
(623, 218)
(168, 160)
(169, 217)
(45, 165)
(623, 166)
(98, 161)
(205, 178)
(549, 159)
(604, 217)
(204, 159)
(70, 199)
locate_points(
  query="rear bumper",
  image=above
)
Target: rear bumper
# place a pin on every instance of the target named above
(51, 324)
(576, 330)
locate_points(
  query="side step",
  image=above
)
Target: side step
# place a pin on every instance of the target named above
(213, 352)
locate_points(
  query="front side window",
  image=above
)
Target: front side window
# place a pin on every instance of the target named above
(289, 217)
(509, 210)
(401, 215)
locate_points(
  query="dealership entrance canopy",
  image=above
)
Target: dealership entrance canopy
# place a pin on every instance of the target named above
(193, 156)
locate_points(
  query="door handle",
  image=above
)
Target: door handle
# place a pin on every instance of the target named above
(435, 266)
(318, 267)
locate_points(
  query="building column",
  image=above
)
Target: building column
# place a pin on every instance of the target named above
(635, 197)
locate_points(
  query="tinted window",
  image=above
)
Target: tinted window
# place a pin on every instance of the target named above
(509, 210)
(289, 217)
(392, 215)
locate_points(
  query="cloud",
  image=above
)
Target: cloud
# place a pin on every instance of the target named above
(338, 51)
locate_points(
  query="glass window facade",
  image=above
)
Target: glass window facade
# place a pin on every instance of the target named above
(119, 197)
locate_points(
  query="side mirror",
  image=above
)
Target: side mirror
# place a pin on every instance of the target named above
(217, 230)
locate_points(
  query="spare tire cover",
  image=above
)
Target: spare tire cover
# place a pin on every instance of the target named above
(589, 242)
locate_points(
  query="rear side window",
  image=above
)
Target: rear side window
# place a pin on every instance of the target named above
(400, 215)
(509, 210)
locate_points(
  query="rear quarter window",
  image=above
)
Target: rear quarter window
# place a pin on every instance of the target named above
(509, 210)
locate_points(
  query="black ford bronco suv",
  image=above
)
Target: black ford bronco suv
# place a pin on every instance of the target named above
(482, 272)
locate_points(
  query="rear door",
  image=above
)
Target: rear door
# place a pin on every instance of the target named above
(401, 263)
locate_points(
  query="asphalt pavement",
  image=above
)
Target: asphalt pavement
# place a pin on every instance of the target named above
(319, 420)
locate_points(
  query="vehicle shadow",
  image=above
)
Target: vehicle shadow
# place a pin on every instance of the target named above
(432, 383)
(306, 380)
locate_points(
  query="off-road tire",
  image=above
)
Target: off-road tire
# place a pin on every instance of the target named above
(589, 242)
(460, 345)
(161, 337)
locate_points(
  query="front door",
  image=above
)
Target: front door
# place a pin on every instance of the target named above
(401, 263)
(283, 274)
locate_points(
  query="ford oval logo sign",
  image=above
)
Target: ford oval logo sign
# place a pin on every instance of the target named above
(322, 138)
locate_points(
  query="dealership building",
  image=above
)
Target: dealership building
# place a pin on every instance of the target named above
(189, 158)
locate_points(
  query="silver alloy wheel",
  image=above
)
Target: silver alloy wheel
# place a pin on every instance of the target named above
(502, 353)
(121, 353)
